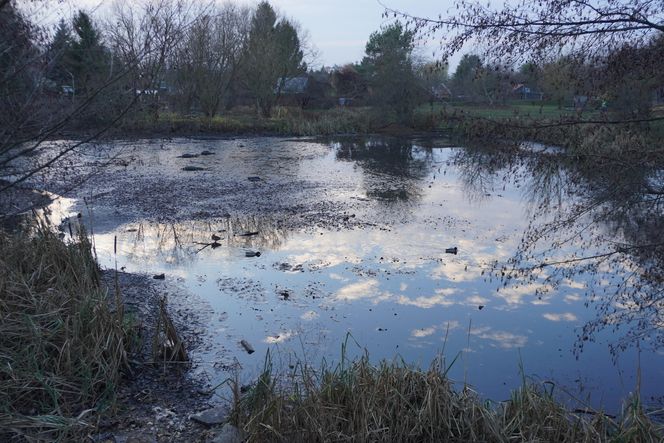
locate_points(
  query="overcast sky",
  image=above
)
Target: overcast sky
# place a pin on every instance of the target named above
(339, 29)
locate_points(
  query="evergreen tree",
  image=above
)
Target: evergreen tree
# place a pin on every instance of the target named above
(57, 53)
(273, 53)
(87, 57)
(388, 66)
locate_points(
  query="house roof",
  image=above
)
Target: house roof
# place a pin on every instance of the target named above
(294, 85)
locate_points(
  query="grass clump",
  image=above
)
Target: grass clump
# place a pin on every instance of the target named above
(62, 344)
(392, 401)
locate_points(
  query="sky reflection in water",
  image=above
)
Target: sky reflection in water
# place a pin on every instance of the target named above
(391, 286)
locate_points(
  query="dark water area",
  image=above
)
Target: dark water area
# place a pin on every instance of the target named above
(354, 237)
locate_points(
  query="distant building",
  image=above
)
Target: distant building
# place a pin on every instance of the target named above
(440, 92)
(579, 102)
(304, 91)
(523, 92)
(658, 96)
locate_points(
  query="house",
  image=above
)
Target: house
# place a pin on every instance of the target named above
(304, 91)
(67, 90)
(440, 92)
(658, 96)
(523, 92)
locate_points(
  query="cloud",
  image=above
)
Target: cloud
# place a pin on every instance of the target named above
(356, 291)
(281, 337)
(309, 315)
(423, 332)
(566, 316)
(503, 339)
(442, 298)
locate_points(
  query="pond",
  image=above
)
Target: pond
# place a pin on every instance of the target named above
(408, 248)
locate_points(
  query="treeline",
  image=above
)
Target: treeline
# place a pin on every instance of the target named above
(142, 58)
(627, 81)
(145, 58)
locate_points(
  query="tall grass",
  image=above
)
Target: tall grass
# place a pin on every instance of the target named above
(62, 345)
(295, 121)
(392, 401)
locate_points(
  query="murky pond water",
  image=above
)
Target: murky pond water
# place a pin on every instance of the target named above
(354, 238)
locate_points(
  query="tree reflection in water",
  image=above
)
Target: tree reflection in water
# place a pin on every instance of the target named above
(591, 220)
(177, 243)
(394, 168)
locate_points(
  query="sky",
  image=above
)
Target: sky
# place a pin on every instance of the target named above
(338, 29)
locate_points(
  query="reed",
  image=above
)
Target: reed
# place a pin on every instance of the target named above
(63, 340)
(393, 401)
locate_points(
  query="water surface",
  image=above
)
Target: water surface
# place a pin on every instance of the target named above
(352, 235)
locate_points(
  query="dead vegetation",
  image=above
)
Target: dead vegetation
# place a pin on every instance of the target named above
(392, 401)
(63, 342)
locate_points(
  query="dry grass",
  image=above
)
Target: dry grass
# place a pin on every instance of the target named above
(62, 345)
(392, 401)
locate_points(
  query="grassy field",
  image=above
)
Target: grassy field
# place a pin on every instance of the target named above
(518, 109)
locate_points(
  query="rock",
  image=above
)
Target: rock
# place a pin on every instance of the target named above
(215, 245)
(207, 153)
(137, 436)
(252, 254)
(103, 438)
(247, 347)
(162, 413)
(480, 307)
(228, 434)
(212, 416)
(159, 277)
(193, 168)
(284, 294)
(188, 155)
(254, 179)
(215, 237)
(453, 250)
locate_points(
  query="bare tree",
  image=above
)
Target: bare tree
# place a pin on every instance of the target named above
(209, 58)
(587, 28)
(584, 32)
(143, 37)
(34, 112)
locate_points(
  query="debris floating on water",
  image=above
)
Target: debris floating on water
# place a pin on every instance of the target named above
(247, 347)
(215, 237)
(453, 250)
(252, 254)
(248, 234)
(159, 277)
(188, 155)
(193, 168)
(254, 179)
